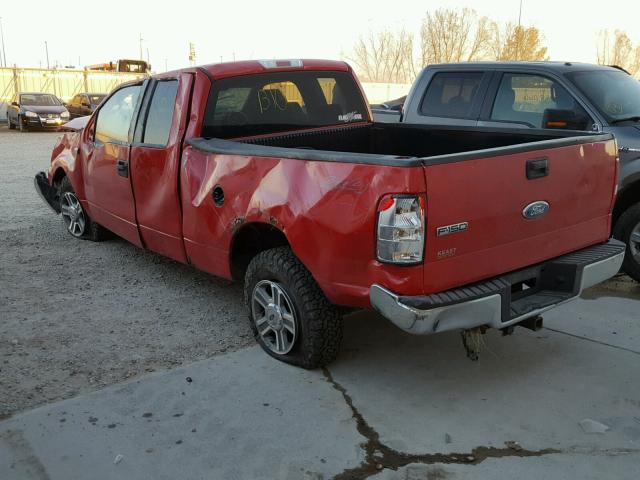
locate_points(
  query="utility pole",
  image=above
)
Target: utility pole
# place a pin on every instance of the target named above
(519, 32)
(520, 14)
(3, 57)
(192, 54)
(141, 57)
(46, 49)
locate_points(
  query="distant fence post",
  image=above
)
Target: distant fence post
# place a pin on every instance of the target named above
(16, 80)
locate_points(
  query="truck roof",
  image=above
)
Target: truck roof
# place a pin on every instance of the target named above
(250, 67)
(560, 67)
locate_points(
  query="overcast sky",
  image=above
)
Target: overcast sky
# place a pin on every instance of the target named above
(79, 33)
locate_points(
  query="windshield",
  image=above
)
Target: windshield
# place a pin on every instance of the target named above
(96, 99)
(275, 102)
(615, 94)
(39, 100)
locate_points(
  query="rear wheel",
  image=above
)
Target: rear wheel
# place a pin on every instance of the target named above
(290, 317)
(627, 229)
(74, 218)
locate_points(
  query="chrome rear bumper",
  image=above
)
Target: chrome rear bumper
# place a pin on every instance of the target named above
(493, 303)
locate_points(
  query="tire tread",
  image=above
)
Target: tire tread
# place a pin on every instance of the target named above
(321, 334)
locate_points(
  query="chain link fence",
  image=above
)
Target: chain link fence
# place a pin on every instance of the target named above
(67, 83)
(60, 82)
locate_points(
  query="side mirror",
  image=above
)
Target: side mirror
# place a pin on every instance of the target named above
(564, 119)
(85, 104)
(15, 104)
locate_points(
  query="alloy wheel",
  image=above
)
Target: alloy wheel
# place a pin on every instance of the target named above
(73, 214)
(274, 316)
(634, 243)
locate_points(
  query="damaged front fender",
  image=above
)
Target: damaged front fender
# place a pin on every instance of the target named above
(47, 192)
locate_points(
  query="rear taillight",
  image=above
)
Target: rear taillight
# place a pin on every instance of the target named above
(401, 227)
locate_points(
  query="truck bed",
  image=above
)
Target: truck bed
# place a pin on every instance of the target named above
(477, 177)
(406, 142)
(397, 144)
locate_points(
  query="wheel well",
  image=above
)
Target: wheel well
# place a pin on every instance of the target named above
(629, 196)
(58, 176)
(249, 241)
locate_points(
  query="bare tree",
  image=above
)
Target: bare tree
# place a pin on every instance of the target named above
(618, 51)
(446, 35)
(453, 36)
(384, 57)
(515, 42)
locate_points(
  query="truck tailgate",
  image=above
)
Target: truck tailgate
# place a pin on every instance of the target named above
(482, 199)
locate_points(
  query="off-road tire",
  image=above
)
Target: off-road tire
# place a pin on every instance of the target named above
(622, 231)
(92, 231)
(318, 322)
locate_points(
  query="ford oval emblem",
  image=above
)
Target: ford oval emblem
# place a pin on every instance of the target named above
(535, 210)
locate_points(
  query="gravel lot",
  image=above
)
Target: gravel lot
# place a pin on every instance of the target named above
(77, 315)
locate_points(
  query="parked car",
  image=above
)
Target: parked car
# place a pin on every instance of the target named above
(84, 104)
(315, 209)
(558, 95)
(36, 110)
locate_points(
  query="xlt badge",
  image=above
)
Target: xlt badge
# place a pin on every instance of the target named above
(455, 228)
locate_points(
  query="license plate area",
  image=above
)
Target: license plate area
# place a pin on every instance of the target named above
(539, 287)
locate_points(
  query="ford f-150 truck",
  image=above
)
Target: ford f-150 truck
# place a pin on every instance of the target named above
(272, 173)
(563, 95)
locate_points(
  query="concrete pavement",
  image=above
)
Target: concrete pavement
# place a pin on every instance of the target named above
(393, 406)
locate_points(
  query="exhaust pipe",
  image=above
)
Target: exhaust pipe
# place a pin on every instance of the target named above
(532, 323)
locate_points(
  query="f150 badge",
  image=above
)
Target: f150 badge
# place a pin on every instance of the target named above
(455, 228)
(535, 210)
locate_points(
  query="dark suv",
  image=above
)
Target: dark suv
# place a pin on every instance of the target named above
(541, 95)
(36, 110)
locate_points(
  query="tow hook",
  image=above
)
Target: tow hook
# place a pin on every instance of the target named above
(473, 342)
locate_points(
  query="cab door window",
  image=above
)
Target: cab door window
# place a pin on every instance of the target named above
(536, 101)
(160, 115)
(114, 118)
(451, 95)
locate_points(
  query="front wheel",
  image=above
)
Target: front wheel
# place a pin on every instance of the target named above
(21, 126)
(627, 229)
(75, 219)
(290, 317)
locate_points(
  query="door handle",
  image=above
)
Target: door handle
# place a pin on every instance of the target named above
(537, 168)
(122, 166)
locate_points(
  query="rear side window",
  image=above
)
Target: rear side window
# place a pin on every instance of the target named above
(114, 118)
(451, 94)
(275, 102)
(160, 115)
(527, 99)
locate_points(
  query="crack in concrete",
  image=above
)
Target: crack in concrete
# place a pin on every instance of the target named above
(593, 340)
(379, 456)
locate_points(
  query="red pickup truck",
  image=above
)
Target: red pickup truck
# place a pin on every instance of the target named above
(272, 173)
